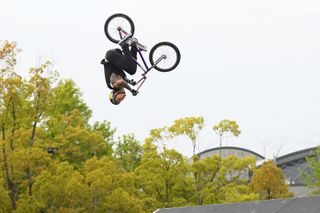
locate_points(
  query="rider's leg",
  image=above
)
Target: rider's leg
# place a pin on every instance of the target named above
(125, 61)
(131, 65)
(108, 69)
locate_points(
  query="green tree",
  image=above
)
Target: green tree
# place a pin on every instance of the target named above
(5, 205)
(311, 175)
(105, 179)
(226, 128)
(269, 182)
(128, 150)
(60, 187)
(39, 96)
(68, 98)
(161, 178)
(190, 127)
(121, 201)
(24, 106)
(108, 133)
(53, 160)
(36, 116)
(223, 180)
(10, 87)
(68, 130)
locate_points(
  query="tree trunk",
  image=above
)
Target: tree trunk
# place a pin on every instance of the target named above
(198, 189)
(220, 140)
(6, 170)
(30, 181)
(13, 127)
(33, 132)
(33, 135)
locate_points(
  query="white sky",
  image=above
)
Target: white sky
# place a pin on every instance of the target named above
(253, 61)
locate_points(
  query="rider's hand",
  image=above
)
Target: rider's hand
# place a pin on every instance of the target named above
(132, 82)
(134, 92)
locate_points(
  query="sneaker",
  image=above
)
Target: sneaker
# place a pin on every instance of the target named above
(125, 39)
(104, 61)
(133, 41)
(141, 47)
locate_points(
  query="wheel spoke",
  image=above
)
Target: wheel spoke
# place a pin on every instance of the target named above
(170, 58)
(114, 24)
(118, 22)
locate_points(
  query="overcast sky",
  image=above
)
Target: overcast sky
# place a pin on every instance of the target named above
(253, 61)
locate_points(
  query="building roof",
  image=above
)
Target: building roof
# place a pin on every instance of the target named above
(231, 147)
(301, 154)
(292, 205)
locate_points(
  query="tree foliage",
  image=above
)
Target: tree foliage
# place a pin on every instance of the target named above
(45, 140)
(128, 151)
(269, 182)
(188, 126)
(226, 128)
(220, 180)
(311, 174)
(54, 160)
(161, 177)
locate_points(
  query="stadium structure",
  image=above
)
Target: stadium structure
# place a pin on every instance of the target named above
(290, 164)
(229, 150)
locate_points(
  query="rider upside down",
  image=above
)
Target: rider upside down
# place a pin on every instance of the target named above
(116, 62)
(164, 57)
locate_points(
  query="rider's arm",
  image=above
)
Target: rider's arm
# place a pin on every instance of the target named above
(130, 81)
(122, 84)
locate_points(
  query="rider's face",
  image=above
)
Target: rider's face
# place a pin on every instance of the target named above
(119, 97)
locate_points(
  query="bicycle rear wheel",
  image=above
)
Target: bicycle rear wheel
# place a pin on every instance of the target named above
(165, 56)
(117, 26)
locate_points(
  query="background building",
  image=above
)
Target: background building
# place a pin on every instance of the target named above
(229, 150)
(291, 164)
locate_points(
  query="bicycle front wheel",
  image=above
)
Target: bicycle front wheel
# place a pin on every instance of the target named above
(117, 26)
(164, 56)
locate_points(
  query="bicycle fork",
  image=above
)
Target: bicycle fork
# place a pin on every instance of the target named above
(146, 69)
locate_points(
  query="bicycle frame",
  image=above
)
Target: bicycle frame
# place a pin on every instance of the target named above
(145, 68)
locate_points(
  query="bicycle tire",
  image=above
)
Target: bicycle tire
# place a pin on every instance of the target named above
(107, 30)
(159, 66)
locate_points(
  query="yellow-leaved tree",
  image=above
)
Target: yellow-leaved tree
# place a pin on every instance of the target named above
(226, 128)
(45, 140)
(269, 182)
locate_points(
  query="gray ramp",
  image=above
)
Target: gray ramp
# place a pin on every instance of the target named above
(253, 207)
(303, 205)
(292, 205)
(191, 209)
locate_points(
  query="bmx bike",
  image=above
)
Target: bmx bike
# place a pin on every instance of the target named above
(163, 56)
